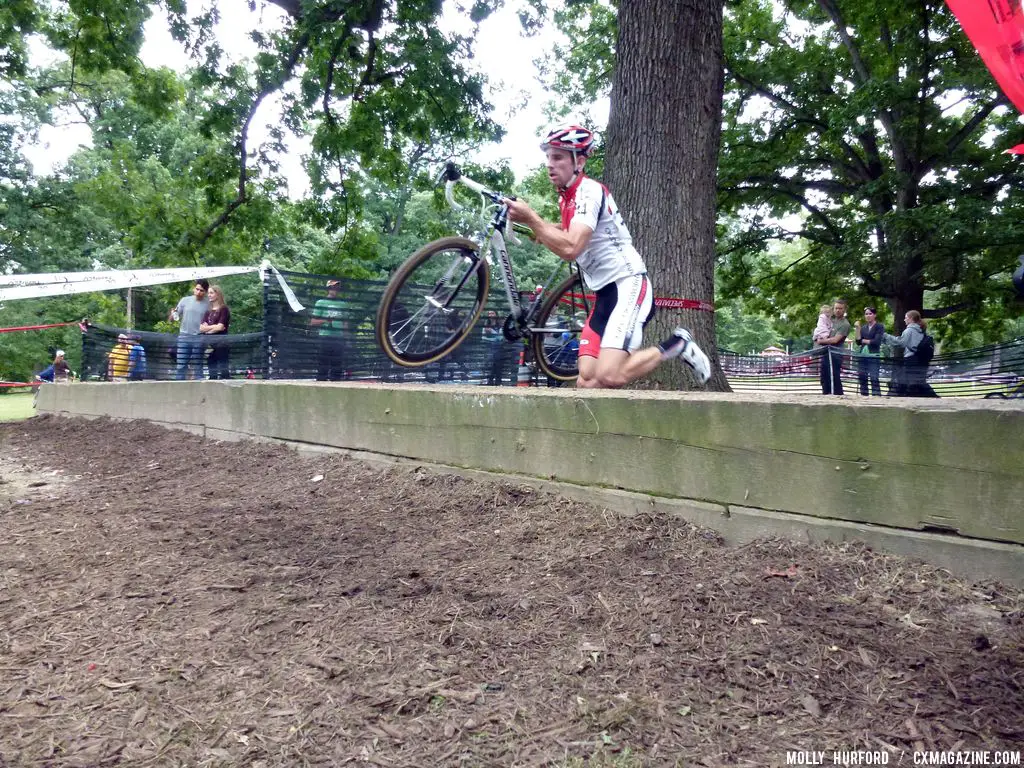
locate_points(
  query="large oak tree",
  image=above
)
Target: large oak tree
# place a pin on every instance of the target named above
(662, 150)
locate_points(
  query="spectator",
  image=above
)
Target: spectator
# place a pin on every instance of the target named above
(136, 359)
(58, 370)
(328, 320)
(824, 327)
(832, 358)
(869, 338)
(119, 358)
(455, 361)
(912, 380)
(503, 353)
(216, 322)
(190, 311)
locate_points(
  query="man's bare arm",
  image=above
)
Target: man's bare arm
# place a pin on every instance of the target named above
(564, 244)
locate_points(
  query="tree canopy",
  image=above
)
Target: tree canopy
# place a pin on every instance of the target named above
(366, 80)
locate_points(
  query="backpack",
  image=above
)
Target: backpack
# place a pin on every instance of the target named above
(925, 350)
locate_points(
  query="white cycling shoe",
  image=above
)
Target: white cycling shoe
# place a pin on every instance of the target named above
(685, 348)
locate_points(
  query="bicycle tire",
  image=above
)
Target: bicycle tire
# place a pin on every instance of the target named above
(460, 280)
(563, 314)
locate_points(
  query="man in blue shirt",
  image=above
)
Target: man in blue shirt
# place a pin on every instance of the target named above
(136, 360)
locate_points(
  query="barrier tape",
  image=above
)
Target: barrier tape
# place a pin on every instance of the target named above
(668, 302)
(68, 283)
(19, 384)
(672, 303)
(38, 327)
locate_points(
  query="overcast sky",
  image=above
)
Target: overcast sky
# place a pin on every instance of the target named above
(502, 53)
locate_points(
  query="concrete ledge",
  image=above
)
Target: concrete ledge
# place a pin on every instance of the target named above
(809, 466)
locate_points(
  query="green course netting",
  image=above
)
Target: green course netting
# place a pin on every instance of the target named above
(290, 347)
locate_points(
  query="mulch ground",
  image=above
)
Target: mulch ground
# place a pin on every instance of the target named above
(168, 600)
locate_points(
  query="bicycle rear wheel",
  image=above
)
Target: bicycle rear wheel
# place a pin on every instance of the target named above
(555, 337)
(432, 302)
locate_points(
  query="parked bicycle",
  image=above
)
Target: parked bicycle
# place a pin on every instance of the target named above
(436, 297)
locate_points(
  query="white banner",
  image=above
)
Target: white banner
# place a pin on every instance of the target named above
(68, 283)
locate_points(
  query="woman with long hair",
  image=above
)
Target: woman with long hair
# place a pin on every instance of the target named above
(215, 323)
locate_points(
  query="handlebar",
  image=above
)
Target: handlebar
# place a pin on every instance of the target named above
(452, 175)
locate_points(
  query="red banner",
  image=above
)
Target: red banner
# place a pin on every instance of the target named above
(669, 303)
(665, 302)
(996, 29)
(41, 327)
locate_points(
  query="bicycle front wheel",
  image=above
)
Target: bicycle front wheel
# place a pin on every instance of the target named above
(556, 336)
(432, 302)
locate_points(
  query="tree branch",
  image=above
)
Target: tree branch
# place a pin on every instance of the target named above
(329, 84)
(935, 314)
(243, 138)
(812, 209)
(292, 7)
(776, 181)
(799, 114)
(885, 117)
(963, 134)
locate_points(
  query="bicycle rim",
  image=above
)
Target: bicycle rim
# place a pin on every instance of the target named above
(556, 334)
(432, 302)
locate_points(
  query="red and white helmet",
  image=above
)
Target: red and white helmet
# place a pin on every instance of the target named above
(571, 138)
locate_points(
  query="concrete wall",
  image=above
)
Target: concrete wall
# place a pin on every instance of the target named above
(915, 465)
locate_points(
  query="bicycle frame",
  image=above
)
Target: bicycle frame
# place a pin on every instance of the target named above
(491, 242)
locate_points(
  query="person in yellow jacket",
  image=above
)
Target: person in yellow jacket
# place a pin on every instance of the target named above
(117, 360)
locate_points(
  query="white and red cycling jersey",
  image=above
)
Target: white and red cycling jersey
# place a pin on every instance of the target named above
(610, 255)
(611, 267)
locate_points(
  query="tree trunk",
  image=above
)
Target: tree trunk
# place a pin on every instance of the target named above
(662, 156)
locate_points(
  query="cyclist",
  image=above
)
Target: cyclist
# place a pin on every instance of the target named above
(594, 235)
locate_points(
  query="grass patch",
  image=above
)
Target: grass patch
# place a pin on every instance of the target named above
(17, 406)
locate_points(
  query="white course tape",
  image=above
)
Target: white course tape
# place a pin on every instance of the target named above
(67, 283)
(289, 294)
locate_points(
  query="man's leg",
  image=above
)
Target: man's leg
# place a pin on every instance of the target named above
(181, 359)
(588, 373)
(323, 360)
(616, 367)
(837, 370)
(197, 358)
(497, 360)
(825, 375)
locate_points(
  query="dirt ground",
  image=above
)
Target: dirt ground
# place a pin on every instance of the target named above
(166, 600)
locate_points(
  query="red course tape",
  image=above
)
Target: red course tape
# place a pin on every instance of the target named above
(37, 327)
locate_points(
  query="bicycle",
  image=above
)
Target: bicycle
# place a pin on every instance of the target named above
(436, 297)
